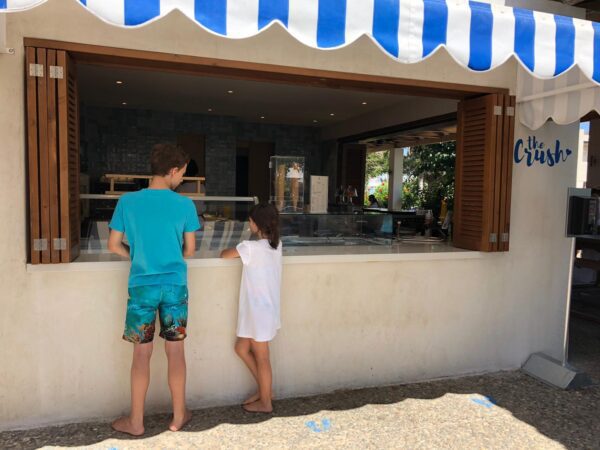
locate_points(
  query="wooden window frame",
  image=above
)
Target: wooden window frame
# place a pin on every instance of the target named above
(49, 164)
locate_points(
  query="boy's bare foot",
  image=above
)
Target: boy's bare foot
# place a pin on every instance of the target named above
(251, 399)
(178, 424)
(124, 425)
(259, 407)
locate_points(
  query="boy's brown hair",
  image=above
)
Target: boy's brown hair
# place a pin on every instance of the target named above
(164, 157)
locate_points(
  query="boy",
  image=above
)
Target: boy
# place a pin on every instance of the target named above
(160, 226)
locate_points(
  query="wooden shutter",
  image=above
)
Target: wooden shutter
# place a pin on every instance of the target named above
(68, 108)
(507, 164)
(53, 156)
(483, 173)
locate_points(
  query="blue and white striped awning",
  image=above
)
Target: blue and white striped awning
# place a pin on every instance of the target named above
(479, 36)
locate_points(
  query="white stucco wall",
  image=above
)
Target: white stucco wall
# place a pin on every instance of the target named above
(344, 324)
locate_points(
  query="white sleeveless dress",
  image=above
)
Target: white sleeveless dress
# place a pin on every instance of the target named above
(258, 313)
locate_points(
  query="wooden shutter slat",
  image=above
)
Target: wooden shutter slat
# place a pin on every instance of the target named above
(69, 159)
(507, 164)
(473, 160)
(42, 97)
(474, 203)
(74, 210)
(33, 157)
(53, 173)
(63, 147)
(474, 136)
(476, 123)
(471, 220)
(496, 170)
(475, 169)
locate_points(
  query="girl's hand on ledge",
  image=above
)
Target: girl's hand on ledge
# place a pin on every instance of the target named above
(230, 253)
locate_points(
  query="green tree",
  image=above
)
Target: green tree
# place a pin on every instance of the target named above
(378, 163)
(410, 193)
(434, 165)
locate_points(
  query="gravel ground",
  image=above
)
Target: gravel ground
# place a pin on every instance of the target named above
(500, 410)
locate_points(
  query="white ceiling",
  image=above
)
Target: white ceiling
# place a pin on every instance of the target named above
(277, 103)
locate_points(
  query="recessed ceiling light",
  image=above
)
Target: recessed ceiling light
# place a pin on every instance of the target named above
(230, 92)
(124, 103)
(364, 103)
(119, 82)
(209, 109)
(315, 121)
(262, 117)
(332, 114)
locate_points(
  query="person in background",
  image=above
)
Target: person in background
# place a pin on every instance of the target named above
(373, 203)
(160, 226)
(258, 312)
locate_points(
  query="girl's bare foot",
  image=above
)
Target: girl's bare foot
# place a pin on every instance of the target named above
(254, 398)
(251, 399)
(124, 425)
(178, 423)
(259, 407)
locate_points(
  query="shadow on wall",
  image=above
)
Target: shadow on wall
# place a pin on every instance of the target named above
(567, 417)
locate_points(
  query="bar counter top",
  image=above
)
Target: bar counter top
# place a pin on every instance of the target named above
(291, 255)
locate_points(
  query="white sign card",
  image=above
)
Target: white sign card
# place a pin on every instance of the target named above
(318, 193)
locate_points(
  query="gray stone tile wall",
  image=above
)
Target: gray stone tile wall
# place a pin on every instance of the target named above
(120, 140)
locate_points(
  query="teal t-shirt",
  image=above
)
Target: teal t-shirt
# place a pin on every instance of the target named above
(154, 221)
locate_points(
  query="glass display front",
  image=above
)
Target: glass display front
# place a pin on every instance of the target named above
(224, 223)
(287, 183)
(336, 229)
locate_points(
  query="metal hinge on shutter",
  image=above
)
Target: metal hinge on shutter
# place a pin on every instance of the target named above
(497, 110)
(60, 244)
(36, 70)
(40, 245)
(493, 238)
(56, 72)
(504, 237)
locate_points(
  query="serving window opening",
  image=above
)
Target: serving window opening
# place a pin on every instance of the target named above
(440, 166)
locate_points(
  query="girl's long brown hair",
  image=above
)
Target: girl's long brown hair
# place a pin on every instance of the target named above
(266, 218)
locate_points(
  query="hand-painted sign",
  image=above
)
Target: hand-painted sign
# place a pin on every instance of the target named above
(532, 151)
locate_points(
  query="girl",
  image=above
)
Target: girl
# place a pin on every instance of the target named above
(258, 313)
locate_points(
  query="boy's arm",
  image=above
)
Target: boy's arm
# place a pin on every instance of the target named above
(116, 245)
(189, 244)
(230, 253)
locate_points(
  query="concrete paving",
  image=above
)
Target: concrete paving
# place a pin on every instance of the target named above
(500, 410)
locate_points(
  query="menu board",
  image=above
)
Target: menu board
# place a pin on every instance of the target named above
(318, 193)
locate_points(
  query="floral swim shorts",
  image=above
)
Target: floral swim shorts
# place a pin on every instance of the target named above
(171, 302)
